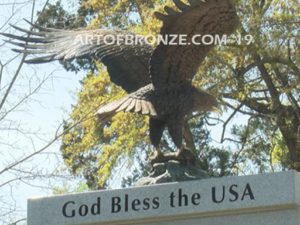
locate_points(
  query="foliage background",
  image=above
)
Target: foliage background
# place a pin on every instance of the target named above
(258, 86)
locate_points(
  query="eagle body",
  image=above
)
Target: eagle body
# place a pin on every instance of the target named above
(158, 80)
(179, 99)
(171, 105)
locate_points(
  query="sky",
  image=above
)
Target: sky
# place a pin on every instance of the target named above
(36, 120)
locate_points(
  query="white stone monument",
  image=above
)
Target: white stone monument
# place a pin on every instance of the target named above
(269, 199)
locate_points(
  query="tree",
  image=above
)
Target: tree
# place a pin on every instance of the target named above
(263, 79)
(259, 81)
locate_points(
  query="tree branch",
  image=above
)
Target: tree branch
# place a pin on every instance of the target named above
(20, 161)
(228, 120)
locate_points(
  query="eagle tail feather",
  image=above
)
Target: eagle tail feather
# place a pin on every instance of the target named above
(126, 104)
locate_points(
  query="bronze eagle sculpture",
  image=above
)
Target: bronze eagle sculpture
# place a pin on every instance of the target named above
(158, 80)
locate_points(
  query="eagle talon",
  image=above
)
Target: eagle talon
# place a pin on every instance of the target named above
(157, 157)
(184, 156)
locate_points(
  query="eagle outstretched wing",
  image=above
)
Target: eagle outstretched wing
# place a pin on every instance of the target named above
(175, 64)
(127, 64)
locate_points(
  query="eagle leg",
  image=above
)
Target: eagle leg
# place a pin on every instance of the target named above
(156, 131)
(182, 155)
